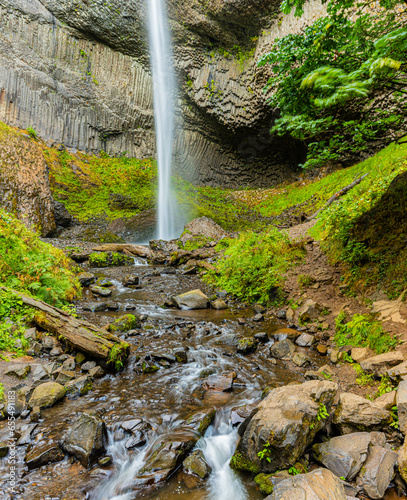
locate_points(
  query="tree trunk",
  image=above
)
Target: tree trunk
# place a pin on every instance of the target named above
(80, 334)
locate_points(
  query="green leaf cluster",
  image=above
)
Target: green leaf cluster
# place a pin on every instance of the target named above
(253, 265)
(340, 84)
(363, 331)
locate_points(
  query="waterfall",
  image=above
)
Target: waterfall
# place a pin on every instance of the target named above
(164, 96)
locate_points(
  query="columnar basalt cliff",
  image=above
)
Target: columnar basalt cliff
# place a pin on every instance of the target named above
(77, 71)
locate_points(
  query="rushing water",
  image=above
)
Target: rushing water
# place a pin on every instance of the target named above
(164, 95)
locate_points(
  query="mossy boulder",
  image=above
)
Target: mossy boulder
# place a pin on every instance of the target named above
(246, 345)
(196, 464)
(124, 324)
(109, 259)
(282, 426)
(86, 439)
(46, 395)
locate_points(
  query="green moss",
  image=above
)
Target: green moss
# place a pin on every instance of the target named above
(124, 324)
(107, 259)
(238, 462)
(146, 368)
(118, 354)
(264, 483)
(91, 186)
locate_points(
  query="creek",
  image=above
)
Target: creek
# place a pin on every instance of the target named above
(167, 397)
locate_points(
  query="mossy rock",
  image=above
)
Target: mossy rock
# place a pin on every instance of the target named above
(124, 324)
(238, 462)
(265, 483)
(149, 368)
(109, 259)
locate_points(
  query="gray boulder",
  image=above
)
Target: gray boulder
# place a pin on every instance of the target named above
(344, 455)
(377, 472)
(309, 311)
(355, 413)
(46, 395)
(378, 365)
(282, 426)
(20, 370)
(319, 484)
(220, 382)
(86, 439)
(305, 340)
(197, 464)
(284, 349)
(195, 299)
(401, 400)
(79, 386)
(43, 453)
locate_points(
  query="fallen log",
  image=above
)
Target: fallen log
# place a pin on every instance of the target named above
(129, 249)
(339, 193)
(79, 334)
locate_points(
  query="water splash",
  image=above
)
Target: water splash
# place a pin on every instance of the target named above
(164, 96)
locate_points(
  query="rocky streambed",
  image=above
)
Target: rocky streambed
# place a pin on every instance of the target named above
(202, 389)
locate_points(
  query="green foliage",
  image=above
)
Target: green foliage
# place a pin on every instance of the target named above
(105, 259)
(293, 471)
(381, 262)
(363, 331)
(91, 186)
(322, 414)
(363, 378)
(32, 133)
(305, 280)
(1, 392)
(13, 317)
(386, 385)
(31, 266)
(395, 416)
(264, 454)
(217, 204)
(253, 265)
(331, 80)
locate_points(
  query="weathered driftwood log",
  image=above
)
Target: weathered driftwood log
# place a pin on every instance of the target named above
(80, 334)
(135, 250)
(339, 193)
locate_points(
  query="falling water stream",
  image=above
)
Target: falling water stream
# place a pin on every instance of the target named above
(164, 96)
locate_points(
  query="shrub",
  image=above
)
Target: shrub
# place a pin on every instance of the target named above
(363, 331)
(253, 265)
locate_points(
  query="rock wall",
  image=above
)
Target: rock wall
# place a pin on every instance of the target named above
(77, 71)
(24, 186)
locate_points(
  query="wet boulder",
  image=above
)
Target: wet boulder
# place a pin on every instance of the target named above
(284, 349)
(219, 304)
(201, 420)
(355, 413)
(46, 395)
(197, 464)
(86, 439)
(222, 382)
(79, 386)
(164, 456)
(124, 324)
(86, 279)
(377, 472)
(140, 433)
(283, 425)
(319, 484)
(195, 299)
(246, 345)
(378, 365)
(43, 453)
(131, 280)
(100, 290)
(344, 455)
